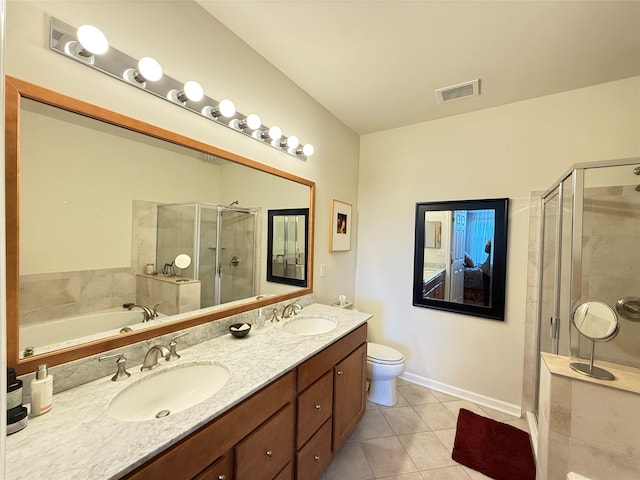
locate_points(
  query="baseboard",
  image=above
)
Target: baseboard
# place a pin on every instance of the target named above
(532, 423)
(508, 408)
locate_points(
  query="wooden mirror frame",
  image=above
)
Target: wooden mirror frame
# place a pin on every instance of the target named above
(15, 90)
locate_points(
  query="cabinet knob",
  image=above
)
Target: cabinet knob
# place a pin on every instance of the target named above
(269, 453)
(317, 458)
(222, 477)
(317, 406)
(339, 372)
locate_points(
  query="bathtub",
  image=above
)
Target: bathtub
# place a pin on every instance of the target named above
(61, 330)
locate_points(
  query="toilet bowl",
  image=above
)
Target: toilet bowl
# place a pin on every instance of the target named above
(384, 365)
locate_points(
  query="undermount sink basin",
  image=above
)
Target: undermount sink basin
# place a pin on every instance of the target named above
(309, 325)
(168, 392)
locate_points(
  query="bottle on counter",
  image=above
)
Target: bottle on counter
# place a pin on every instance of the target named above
(14, 389)
(16, 413)
(41, 391)
(260, 319)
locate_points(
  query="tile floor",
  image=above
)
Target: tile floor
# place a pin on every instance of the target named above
(409, 441)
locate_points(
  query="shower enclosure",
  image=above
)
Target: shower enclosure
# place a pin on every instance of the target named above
(590, 237)
(221, 241)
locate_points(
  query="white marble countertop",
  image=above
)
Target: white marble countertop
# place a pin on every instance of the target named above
(78, 439)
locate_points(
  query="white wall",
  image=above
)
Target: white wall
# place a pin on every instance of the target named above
(192, 45)
(506, 151)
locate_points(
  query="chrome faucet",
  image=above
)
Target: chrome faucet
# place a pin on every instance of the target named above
(274, 315)
(147, 314)
(291, 309)
(151, 358)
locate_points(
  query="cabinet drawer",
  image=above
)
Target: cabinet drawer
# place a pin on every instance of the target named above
(268, 449)
(314, 408)
(286, 473)
(221, 469)
(317, 365)
(315, 456)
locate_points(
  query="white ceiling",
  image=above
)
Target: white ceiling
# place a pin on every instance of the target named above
(375, 64)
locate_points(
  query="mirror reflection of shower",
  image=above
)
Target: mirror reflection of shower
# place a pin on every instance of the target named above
(212, 235)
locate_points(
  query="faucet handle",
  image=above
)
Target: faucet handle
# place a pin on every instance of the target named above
(154, 310)
(274, 315)
(173, 355)
(121, 360)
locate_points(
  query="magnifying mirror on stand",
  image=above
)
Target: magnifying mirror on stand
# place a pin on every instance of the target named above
(182, 261)
(599, 323)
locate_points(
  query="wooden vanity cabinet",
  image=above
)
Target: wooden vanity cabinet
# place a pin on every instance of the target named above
(334, 377)
(289, 429)
(434, 288)
(197, 453)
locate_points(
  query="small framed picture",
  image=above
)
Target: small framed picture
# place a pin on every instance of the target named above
(340, 226)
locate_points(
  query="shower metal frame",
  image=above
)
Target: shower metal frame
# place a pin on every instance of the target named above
(576, 174)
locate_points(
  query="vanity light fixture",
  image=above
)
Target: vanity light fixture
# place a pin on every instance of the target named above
(89, 41)
(148, 69)
(191, 91)
(89, 46)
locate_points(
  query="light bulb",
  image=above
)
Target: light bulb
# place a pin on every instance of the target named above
(293, 142)
(253, 122)
(275, 133)
(92, 39)
(193, 91)
(227, 108)
(308, 150)
(150, 69)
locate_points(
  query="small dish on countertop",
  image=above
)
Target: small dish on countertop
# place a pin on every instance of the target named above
(239, 330)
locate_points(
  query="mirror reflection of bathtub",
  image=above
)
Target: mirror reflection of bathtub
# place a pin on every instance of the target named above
(57, 333)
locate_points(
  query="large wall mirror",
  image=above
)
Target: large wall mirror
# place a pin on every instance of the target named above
(465, 270)
(100, 206)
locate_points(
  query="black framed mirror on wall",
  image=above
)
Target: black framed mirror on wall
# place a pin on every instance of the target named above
(287, 233)
(465, 271)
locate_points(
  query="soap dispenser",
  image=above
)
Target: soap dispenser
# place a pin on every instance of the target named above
(41, 391)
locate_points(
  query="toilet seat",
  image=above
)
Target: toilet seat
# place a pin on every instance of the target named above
(383, 355)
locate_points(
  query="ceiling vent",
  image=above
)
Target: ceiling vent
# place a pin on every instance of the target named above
(456, 92)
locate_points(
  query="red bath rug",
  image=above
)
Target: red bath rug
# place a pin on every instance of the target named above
(498, 450)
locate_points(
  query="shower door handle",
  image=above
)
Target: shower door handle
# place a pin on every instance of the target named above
(553, 327)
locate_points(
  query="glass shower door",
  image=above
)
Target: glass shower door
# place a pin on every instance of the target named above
(207, 270)
(237, 254)
(548, 332)
(610, 260)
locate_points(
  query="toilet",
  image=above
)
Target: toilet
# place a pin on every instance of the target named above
(384, 365)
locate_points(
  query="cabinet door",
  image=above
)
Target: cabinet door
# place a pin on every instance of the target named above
(348, 394)
(221, 469)
(268, 449)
